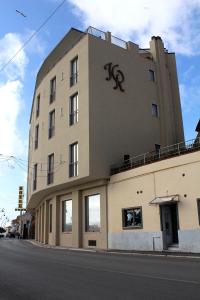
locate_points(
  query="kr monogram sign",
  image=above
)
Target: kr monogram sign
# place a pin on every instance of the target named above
(115, 74)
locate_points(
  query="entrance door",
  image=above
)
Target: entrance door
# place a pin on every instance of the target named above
(169, 224)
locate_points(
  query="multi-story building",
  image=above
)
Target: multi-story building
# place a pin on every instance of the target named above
(98, 100)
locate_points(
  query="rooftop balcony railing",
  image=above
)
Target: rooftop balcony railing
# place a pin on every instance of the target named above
(157, 155)
(103, 35)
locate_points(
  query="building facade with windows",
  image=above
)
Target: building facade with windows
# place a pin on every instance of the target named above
(97, 100)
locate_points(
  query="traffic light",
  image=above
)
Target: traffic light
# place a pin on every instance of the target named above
(20, 197)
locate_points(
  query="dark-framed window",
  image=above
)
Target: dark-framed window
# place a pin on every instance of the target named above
(151, 75)
(35, 177)
(67, 215)
(36, 136)
(74, 71)
(52, 96)
(132, 217)
(73, 159)
(198, 208)
(73, 109)
(154, 110)
(92, 213)
(38, 106)
(50, 170)
(51, 123)
(50, 217)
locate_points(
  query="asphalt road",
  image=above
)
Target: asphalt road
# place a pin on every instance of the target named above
(33, 273)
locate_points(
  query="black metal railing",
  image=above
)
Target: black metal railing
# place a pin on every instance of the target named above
(73, 118)
(51, 131)
(159, 154)
(50, 177)
(73, 169)
(73, 79)
(36, 144)
(52, 97)
(34, 185)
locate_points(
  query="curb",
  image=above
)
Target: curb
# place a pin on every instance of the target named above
(120, 252)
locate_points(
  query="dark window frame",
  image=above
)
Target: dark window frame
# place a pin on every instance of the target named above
(152, 75)
(73, 109)
(50, 170)
(87, 225)
(52, 121)
(73, 75)
(50, 217)
(35, 177)
(36, 137)
(154, 110)
(52, 95)
(38, 106)
(64, 225)
(124, 226)
(73, 161)
(198, 209)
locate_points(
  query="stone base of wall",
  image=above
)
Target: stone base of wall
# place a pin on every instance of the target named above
(143, 241)
(189, 240)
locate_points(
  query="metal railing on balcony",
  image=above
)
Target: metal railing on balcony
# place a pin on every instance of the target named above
(51, 132)
(73, 79)
(96, 32)
(73, 169)
(118, 42)
(159, 154)
(73, 118)
(52, 97)
(50, 177)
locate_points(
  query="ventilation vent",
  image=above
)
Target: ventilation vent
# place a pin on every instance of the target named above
(92, 243)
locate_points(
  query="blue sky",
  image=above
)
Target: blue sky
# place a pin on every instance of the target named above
(177, 22)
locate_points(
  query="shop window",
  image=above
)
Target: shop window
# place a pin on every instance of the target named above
(92, 213)
(198, 208)
(67, 215)
(132, 217)
(50, 217)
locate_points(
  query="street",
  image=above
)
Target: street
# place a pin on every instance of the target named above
(36, 273)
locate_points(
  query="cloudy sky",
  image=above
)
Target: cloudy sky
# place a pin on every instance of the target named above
(177, 22)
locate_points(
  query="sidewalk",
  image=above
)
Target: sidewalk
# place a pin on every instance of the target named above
(120, 252)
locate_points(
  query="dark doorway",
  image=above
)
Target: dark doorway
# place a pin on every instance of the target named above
(169, 224)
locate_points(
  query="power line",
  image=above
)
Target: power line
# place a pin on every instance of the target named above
(33, 35)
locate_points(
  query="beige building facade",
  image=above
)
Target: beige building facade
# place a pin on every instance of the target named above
(98, 101)
(163, 201)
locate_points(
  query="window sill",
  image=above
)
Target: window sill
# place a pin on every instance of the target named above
(132, 227)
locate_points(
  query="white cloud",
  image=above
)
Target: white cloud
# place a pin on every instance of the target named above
(9, 45)
(11, 86)
(176, 22)
(10, 97)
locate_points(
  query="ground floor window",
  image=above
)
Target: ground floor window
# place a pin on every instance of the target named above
(198, 208)
(50, 217)
(67, 215)
(132, 217)
(92, 213)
